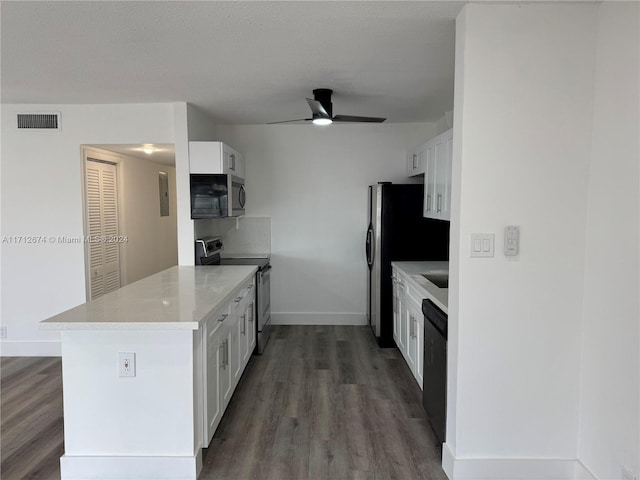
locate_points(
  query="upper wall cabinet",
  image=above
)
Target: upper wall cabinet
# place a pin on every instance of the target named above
(437, 177)
(416, 161)
(215, 157)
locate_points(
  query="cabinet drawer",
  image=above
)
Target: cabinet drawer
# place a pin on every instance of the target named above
(214, 322)
(244, 295)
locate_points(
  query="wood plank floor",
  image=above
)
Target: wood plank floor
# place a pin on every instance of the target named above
(31, 435)
(323, 402)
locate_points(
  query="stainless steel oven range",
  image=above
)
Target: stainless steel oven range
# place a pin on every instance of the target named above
(208, 253)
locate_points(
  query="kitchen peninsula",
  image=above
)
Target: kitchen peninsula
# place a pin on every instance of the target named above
(148, 370)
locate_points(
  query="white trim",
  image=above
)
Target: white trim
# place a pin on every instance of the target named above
(89, 152)
(83, 467)
(306, 318)
(29, 349)
(583, 472)
(512, 469)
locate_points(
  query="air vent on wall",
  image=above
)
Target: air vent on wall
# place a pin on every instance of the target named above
(39, 121)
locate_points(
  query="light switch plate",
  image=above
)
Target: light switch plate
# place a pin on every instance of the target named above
(482, 244)
(511, 240)
(126, 364)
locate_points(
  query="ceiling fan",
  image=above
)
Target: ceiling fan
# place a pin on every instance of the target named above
(322, 110)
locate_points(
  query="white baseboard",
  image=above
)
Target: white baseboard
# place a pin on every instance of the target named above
(512, 469)
(29, 349)
(318, 319)
(83, 467)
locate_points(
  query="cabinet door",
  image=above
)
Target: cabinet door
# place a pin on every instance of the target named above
(440, 153)
(206, 157)
(411, 158)
(429, 180)
(252, 328)
(396, 313)
(213, 399)
(244, 334)
(240, 165)
(443, 158)
(402, 319)
(226, 384)
(411, 340)
(445, 213)
(235, 348)
(233, 162)
(419, 370)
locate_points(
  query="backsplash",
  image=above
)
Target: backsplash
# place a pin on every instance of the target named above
(246, 235)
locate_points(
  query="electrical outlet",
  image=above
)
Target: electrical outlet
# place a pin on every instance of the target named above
(126, 364)
(628, 474)
(3, 332)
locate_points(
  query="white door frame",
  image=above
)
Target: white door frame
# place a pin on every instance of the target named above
(94, 153)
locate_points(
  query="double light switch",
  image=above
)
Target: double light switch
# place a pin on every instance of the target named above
(483, 244)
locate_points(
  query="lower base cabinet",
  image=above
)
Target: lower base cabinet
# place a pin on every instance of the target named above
(408, 324)
(230, 341)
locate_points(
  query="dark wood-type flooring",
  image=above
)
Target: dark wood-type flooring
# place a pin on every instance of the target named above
(323, 402)
(31, 435)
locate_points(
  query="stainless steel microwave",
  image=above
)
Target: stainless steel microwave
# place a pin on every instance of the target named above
(217, 195)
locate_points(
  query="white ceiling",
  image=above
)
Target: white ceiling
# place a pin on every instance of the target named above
(242, 62)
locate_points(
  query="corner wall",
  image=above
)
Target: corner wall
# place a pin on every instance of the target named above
(610, 380)
(522, 128)
(42, 196)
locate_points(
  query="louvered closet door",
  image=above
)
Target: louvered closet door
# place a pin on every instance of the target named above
(102, 206)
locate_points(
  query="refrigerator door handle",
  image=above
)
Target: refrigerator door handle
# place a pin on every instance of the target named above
(370, 246)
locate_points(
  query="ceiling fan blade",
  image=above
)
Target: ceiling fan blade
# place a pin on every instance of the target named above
(350, 118)
(289, 121)
(317, 108)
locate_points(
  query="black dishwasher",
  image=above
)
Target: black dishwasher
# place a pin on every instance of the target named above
(434, 391)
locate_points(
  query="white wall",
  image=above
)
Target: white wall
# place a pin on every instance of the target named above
(42, 196)
(152, 241)
(610, 403)
(522, 133)
(312, 182)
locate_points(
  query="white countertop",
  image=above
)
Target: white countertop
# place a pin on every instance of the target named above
(413, 271)
(176, 298)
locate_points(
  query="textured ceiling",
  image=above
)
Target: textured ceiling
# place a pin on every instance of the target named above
(242, 62)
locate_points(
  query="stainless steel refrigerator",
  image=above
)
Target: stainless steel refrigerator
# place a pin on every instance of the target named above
(397, 231)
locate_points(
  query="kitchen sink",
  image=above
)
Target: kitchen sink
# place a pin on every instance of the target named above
(440, 280)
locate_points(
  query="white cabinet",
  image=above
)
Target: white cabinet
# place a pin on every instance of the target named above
(408, 324)
(415, 341)
(216, 373)
(229, 341)
(226, 376)
(417, 160)
(215, 157)
(437, 177)
(248, 338)
(396, 306)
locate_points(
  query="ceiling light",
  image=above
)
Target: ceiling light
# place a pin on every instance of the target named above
(148, 149)
(322, 121)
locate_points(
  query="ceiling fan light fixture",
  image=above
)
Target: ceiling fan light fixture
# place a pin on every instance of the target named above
(322, 121)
